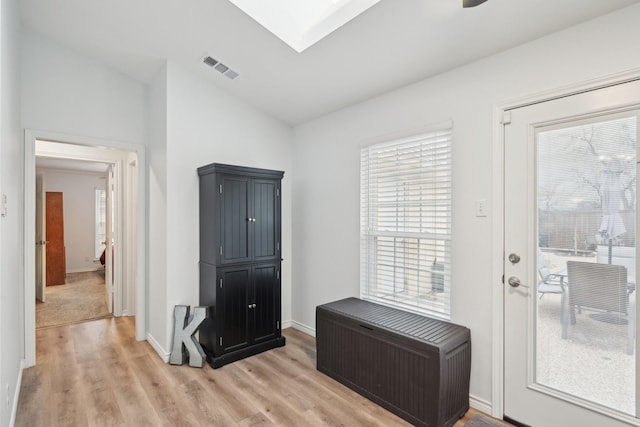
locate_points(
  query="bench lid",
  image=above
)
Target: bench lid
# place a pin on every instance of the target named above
(426, 329)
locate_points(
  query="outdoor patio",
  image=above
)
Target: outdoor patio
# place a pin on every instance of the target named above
(592, 362)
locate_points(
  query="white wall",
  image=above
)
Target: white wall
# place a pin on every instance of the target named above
(326, 158)
(206, 125)
(11, 226)
(157, 224)
(78, 99)
(79, 210)
(65, 92)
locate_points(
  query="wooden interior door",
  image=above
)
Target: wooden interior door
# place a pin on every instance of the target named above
(55, 258)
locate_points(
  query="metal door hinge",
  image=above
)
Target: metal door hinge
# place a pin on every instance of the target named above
(278, 324)
(278, 246)
(278, 274)
(220, 188)
(221, 283)
(277, 192)
(220, 250)
(220, 341)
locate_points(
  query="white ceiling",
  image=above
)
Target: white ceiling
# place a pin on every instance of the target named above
(395, 43)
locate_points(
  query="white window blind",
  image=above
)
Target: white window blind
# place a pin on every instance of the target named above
(405, 222)
(101, 222)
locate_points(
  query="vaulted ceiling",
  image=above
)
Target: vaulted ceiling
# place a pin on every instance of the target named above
(394, 43)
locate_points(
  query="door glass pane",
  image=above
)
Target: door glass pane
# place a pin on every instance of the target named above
(586, 264)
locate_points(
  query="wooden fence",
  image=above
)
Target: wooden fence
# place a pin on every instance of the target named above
(577, 231)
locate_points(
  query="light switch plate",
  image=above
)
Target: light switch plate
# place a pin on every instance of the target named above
(481, 208)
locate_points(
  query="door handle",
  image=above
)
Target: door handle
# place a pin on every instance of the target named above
(514, 282)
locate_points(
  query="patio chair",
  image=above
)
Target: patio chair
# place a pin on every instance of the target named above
(552, 283)
(604, 288)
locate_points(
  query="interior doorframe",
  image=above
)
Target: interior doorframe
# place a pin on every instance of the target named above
(30, 137)
(500, 116)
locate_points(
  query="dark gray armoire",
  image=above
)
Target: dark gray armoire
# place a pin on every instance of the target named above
(240, 258)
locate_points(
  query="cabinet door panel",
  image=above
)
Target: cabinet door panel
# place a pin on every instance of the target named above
(266, 212)
(267, 300)
(232, 311)
(235, 225)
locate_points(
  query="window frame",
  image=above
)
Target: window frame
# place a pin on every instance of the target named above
(417, 231)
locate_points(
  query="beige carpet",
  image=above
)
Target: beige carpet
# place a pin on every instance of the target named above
(82, 298)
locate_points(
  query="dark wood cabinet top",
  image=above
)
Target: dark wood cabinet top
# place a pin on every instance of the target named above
(240, 170)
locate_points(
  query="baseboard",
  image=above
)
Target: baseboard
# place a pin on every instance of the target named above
(164, 355)
(84, 270)
(480, 404)
(286, 324)
(302, 327)
(16, 394)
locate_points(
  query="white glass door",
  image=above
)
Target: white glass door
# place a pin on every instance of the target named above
(570, 218)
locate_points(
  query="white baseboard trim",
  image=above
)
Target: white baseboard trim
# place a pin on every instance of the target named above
(302, 327)
(16, 394)
(164, 355)
(83, 270)
(480, 404)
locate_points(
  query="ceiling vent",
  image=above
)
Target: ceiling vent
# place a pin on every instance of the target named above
(220, 67)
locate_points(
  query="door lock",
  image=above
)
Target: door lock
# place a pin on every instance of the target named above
(514, 258)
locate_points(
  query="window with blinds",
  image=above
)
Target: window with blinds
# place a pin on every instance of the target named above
(100, 222)
(405, 222)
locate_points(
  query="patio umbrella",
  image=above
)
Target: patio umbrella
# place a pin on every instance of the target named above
(612, 225)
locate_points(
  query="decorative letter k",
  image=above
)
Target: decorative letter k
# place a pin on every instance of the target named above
(183, 335)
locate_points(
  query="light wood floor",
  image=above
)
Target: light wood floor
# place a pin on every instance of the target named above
(95, 373)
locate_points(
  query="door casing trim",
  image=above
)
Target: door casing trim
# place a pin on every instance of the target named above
(30, 137)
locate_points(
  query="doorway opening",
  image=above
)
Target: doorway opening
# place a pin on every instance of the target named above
(120, 274)
(74, 277)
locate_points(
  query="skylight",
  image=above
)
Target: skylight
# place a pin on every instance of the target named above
(300, 24)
